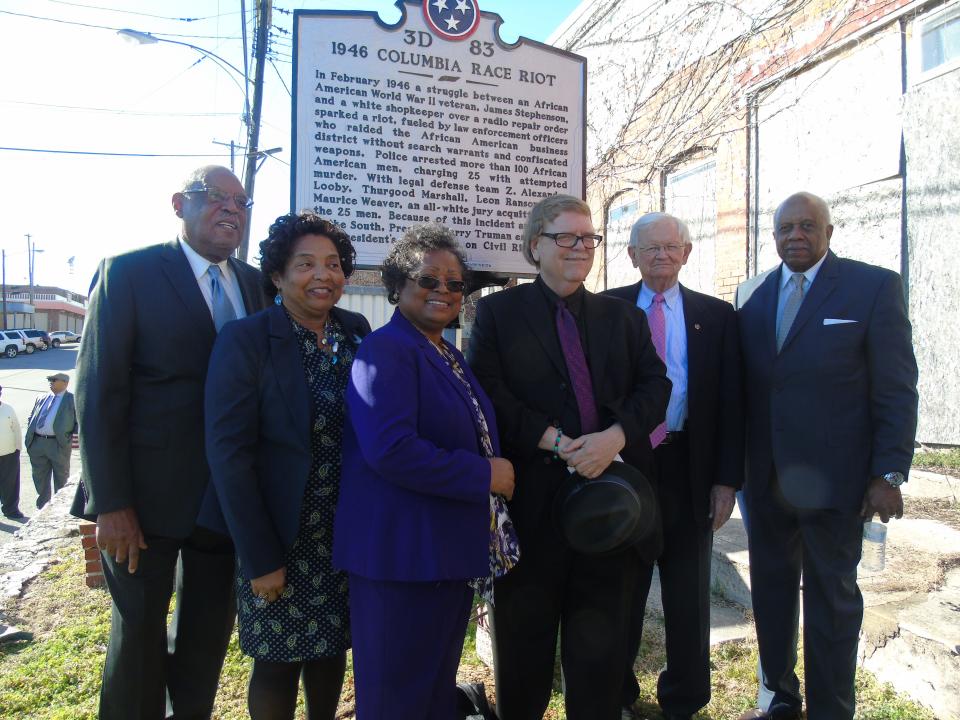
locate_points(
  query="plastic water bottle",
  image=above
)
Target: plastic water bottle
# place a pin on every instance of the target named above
(873, 556)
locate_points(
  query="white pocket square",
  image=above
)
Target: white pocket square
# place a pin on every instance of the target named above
(837, 321)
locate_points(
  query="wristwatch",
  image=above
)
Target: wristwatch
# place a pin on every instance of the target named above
(896, 479)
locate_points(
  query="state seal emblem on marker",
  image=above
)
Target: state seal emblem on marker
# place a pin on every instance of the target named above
(452, 19)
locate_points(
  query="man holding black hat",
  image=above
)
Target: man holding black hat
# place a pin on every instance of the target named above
(50, 429)
(565, 397)
(698, 450)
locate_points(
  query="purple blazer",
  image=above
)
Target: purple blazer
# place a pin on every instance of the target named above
(414, 495)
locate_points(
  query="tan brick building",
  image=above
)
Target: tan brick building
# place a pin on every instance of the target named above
(716, 112)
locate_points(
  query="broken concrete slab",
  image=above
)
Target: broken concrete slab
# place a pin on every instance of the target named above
(914, 644)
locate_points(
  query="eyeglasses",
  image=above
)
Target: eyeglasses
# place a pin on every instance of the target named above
(654, 250)
(569, 240)
(428, 282)
(219, 197)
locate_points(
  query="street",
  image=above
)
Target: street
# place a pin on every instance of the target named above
(24, 379)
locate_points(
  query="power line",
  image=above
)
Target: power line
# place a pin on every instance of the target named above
(110, 154)
(114, 29)
(117, 111)
(141, 14)
(282, 81)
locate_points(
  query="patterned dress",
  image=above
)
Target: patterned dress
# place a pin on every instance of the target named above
(310, 620)
(504, 546)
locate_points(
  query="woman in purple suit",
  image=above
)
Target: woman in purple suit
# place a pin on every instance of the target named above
(420, 459)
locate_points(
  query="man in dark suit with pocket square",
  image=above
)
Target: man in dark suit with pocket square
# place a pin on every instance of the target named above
(153, 316)
(831, 409)
(698, 453)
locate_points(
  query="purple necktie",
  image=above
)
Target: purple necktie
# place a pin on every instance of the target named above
(577, 367)
(658, 331)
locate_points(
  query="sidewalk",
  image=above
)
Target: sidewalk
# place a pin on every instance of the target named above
(911, 628)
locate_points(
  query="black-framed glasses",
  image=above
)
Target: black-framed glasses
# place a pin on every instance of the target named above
(569, 240)
(219, 197)
(429, 282)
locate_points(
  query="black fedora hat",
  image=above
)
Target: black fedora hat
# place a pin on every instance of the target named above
(607, 514)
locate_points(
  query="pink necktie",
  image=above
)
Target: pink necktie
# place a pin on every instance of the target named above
(658, 331)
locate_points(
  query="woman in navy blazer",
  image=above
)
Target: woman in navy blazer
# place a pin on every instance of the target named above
(274, 417)
(420, 459)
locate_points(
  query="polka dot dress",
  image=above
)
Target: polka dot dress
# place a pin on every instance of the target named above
(310, 620)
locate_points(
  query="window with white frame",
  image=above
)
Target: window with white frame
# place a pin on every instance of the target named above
(936, 43)
(622, 214)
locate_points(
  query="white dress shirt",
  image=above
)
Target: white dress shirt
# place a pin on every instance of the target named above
(47, 427)
(10, 440)
(785, 275)
(676, 348)
(200, 265)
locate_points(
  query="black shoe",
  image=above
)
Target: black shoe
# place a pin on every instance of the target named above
(673, 716)
(15, 515)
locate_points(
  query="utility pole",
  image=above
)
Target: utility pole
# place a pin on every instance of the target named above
(3, 253)
(233, 152)
(30, 267)
(264, 10)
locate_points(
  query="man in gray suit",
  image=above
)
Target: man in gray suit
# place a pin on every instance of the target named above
(153, 317)
(50, 429)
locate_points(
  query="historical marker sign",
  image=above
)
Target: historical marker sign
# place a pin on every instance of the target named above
(432, 119)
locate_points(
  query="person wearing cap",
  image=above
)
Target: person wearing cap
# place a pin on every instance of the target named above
(50, 429)
(11, 443)
(698, 452)
(575, 380)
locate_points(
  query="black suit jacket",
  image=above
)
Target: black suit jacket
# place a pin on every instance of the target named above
(258, 433)
(714, 394)
(140, 376)
(515, 353)
(838, 404)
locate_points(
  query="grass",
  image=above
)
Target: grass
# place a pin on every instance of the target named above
(56, 676)
(944, 460)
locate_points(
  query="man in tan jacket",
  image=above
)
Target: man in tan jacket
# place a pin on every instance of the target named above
(10, 446)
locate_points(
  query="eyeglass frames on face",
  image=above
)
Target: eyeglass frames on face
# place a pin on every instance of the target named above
(655, 250)
(569, 240)
(428, 282)
(215, 196)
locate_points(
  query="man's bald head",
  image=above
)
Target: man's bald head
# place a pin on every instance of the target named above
(802, 230)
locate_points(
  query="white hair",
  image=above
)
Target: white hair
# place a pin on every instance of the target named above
(651, 219)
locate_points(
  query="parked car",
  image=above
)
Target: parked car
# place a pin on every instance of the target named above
(39, 338)
(59, 337)
(29, 345)
(11, 343)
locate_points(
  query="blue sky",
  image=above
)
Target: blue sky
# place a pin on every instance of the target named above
(71, 83)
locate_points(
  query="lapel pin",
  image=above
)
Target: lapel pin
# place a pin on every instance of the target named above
(696, 326)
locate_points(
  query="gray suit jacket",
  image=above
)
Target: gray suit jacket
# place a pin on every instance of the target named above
(140, 376)
(64, 424)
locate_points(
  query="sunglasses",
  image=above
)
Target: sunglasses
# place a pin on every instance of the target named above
(428, 282)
